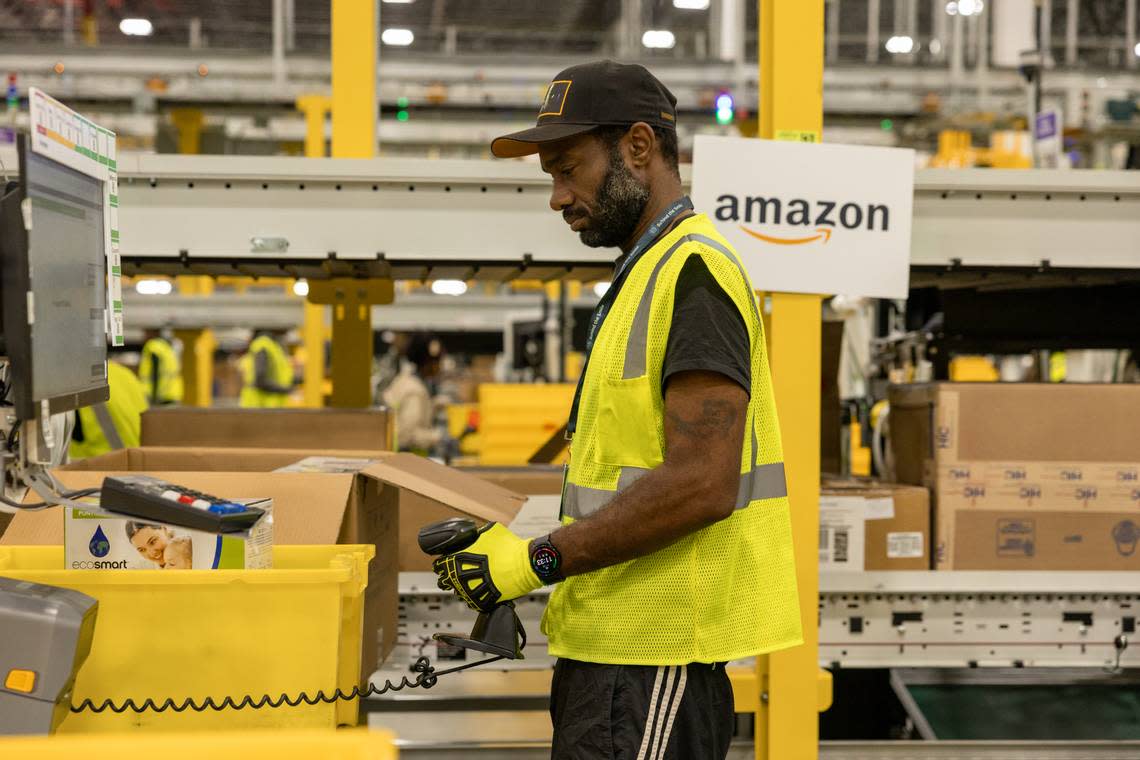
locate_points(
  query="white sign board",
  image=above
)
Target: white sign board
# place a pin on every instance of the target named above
(810, 218)
(67, 137)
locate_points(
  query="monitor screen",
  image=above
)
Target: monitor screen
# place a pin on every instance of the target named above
(64, 343)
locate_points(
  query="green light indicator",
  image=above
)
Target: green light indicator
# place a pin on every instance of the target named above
(887, 125)
(402, 102)
(724, 116)
(401, 116)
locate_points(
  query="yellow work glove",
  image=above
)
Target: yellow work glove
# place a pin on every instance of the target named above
(494, 569)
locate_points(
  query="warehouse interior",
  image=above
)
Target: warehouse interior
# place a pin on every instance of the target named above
(326, 316)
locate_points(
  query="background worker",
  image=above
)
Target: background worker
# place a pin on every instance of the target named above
(160, 369)
(267, 374)
(674, 554)
(408, 395)
(114, 424)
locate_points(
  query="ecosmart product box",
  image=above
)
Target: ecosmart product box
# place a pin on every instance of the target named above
(1029, 447)
(95, 539)
(869, 526)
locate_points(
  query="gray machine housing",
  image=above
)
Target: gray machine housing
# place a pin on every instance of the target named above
(47, 630)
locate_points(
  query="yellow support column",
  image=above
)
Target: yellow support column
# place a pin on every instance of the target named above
(316, 109)
(197, 349)
(354, 42)
(793, 690)
(352, 302)
(188, 122)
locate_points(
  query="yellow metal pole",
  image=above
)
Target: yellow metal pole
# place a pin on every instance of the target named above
(791, 108)
(351, 302)
(316, 109)
(354, 40)
(188, 122)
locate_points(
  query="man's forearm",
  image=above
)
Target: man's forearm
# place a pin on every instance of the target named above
(654, 512)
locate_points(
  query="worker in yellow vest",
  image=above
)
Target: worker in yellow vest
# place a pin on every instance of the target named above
(675, 551)
(267, 373)
(160, 370)
(114, 423)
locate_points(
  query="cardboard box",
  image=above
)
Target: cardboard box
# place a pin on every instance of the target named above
(308, 429)
(1020, 540)
(1008, 447)
(364, 507)
(867, 526)
(95, 539)
(531, 480)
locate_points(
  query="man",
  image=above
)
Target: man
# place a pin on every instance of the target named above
(113, 424)
(267, 373)
(674, 554)
(160, 370)
(408, 396)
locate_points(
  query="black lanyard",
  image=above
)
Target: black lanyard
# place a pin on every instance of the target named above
(644, 243)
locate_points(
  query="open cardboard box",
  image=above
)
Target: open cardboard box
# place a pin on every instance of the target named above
(383, 504)
(308, 429)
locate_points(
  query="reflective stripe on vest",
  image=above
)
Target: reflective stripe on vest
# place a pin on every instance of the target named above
(763, 481)
(107, 425)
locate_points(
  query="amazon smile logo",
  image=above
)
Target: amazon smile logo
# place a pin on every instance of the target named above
(821, 218)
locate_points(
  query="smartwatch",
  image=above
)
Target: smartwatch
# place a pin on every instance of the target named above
(546, 561)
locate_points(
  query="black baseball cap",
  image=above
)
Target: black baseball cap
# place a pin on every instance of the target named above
(591, 95)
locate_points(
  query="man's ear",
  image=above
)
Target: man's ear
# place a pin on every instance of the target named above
(640, 143)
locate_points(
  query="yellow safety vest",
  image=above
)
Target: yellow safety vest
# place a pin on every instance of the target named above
(725, 592)
(115, 423)
(169, 372)
(280, 372)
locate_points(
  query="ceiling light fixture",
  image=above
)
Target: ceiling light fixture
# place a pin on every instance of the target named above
(397, 37)
(900, 44)
(661, 39)
(136, 27)
(691, 5)
(449, 287)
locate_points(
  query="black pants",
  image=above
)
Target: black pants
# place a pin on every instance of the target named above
(637, 712)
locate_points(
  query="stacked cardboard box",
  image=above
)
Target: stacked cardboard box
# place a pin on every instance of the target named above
(1024, 476)
(873, 526)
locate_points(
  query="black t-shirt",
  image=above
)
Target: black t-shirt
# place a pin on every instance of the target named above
(708, 333)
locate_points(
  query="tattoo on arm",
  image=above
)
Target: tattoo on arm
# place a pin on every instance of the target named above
(717, 417)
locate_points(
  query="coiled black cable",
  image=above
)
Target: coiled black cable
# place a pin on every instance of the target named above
(426, 678)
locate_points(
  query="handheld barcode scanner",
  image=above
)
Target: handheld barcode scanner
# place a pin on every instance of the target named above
(45, 635)
(498, 632)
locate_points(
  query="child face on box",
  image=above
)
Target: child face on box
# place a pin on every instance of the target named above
(178, 555)
(151, 542)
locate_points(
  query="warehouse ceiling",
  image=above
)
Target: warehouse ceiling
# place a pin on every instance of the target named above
(528, 27)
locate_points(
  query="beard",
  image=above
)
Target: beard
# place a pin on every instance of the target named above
(620, 203)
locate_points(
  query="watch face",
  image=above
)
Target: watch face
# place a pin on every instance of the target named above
(544, 560)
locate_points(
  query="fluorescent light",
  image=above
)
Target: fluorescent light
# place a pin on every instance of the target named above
(658, 38)
(396, 36)
(691, 5)
(970, 7)
(600, 288)
(952, 8)
(449, 287)
(153, 287)
(935, 46)
(301, 288)
(136, 27)
(900, 44)
(1136, 50)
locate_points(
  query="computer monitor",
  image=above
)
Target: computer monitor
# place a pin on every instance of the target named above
(53, 290)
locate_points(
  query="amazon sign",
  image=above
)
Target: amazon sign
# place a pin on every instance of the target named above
(810, 218)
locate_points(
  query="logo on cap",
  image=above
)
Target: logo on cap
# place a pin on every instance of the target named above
(555, 98)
